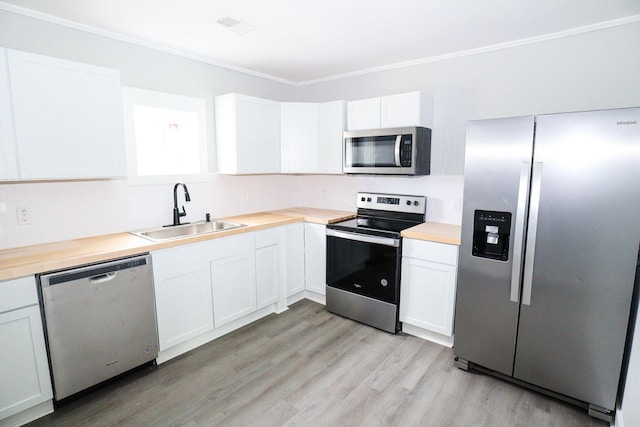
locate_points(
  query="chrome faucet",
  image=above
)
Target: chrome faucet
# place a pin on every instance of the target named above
(176, 212)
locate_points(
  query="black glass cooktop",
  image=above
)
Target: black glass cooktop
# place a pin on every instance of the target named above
(376, 226)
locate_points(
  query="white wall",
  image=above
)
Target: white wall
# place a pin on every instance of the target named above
(594, 70)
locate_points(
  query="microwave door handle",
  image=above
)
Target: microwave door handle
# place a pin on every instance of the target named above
(397, 150)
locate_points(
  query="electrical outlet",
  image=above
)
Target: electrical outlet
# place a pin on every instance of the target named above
(24, 216)
(244, 197)
(457, 204)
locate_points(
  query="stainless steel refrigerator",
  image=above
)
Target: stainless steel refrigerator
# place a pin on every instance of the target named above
(550, 245)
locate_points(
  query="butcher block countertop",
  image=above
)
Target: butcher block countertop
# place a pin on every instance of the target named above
(30, 260)
(434, 232)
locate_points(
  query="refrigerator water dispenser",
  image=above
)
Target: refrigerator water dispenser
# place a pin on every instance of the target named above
(491, 230)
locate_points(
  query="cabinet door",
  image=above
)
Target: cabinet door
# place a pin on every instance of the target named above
(294, 258)
(363, 114)
(331, 121)
(315, 253)
(24, 369)
(405, 109)
(182, 286)
(427, 295)
(233, 280)
(68, 118)
(267, 275)
(247, 134)
(8, 151)
(300, 143)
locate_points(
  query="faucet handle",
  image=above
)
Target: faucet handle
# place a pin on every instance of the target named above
(183, 213)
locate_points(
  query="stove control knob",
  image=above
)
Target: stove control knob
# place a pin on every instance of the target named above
(368, 199)
(362, 199)
(416, 203)
(408, 202)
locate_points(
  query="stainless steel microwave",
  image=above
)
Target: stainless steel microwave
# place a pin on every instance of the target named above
(394, 151)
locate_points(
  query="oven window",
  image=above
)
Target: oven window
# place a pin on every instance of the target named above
(363, 268)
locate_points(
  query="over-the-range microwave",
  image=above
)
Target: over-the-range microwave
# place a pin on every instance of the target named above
(393, 151)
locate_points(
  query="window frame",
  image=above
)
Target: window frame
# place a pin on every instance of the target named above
(131, 97)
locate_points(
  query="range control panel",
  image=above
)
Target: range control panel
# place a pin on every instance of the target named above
(392, 202)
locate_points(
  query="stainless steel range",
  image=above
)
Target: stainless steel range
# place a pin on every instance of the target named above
(363, 258)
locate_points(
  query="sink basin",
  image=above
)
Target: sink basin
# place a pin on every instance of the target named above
(160, 234)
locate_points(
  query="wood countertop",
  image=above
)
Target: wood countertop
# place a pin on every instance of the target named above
(30, 260)
(318, 216)
(434, 232)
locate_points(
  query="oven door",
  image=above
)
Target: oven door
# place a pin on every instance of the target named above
(364, 264)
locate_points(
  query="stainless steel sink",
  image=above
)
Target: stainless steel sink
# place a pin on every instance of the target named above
(160, 234)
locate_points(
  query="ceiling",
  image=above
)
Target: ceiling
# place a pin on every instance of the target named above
(302, 41)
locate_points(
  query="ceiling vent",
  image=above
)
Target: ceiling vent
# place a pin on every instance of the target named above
(236, 26)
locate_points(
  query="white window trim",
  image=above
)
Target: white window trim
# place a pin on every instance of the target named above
(132, 96)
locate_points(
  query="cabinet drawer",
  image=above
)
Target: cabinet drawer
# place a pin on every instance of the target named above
(18, 293)
(267, 237)
(430, 251)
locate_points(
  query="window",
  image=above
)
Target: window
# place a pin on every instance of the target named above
(166, 137)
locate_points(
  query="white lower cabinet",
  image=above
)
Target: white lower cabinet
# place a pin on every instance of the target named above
(428, 288)
(315, 264)
(233, 281)
(182, 285)
(25, 385)
(268, 276)
(294, 258)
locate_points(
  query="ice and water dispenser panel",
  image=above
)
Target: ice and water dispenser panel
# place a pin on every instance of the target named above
(491, 230)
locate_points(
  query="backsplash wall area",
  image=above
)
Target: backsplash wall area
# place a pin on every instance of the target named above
(76, 209)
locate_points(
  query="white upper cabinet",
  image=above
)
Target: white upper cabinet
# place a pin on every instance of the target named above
(406, 109)
(67, 118)
(312, 137)
(247, 134)
(331, 125)
(402, 110)
(363, 114)
(8, 150)
(300, 139)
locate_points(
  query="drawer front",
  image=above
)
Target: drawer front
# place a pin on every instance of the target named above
(267, 237)
(430, 251)
(18, 293)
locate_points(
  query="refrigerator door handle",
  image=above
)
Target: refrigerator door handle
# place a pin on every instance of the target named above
(523, 191)
(536, 181)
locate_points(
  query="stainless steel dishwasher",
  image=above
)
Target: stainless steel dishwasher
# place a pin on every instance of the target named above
(100, 321)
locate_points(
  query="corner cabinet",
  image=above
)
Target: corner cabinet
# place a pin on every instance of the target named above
(428, 289)
(25, 388)
(315, 253)
(312, 137)
(247, 135)
(66, 119)
(294, 258)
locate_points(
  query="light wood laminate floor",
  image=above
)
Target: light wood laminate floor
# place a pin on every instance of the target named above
(307, 367)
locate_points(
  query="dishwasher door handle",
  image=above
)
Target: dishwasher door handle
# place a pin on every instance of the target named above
(101, 278)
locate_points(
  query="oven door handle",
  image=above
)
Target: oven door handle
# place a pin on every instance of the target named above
(377, 240)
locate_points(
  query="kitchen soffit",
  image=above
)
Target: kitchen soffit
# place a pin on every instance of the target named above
(300, 42)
